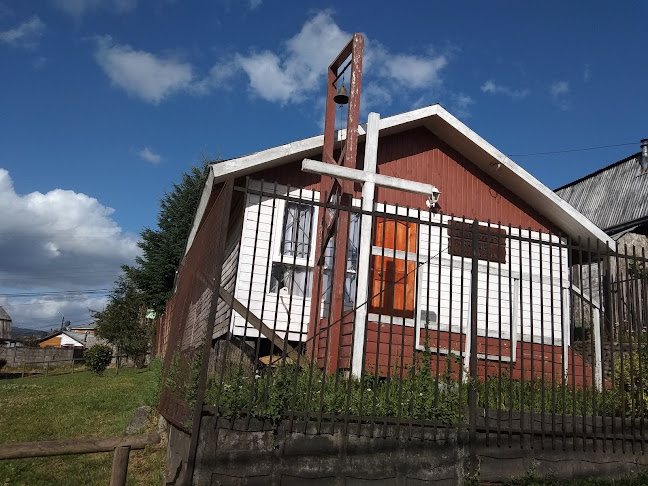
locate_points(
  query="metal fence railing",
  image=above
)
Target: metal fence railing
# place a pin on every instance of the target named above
(506, 334)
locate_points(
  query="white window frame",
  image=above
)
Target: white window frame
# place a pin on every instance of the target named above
(305, 196)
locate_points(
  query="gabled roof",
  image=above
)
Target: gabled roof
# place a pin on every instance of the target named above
(3, 315)
(453, 132)
(614, 197)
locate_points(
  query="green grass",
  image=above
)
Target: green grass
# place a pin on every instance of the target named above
(79, 405)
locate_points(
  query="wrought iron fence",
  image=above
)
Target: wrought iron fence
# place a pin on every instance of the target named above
(455, 326)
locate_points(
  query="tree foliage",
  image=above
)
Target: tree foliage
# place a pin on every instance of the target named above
(123, 322)
(163, 248)
(97, 358)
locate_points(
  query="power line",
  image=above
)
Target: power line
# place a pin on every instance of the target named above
(60, 292)
(572, 150)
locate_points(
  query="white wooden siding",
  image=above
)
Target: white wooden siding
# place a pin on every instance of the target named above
(540, 268)
(260, 247)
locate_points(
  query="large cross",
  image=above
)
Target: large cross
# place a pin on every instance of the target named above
(369, 179)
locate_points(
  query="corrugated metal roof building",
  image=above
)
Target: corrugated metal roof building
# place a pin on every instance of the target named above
(615, 198)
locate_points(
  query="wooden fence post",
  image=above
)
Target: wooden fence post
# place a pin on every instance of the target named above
(120, 466)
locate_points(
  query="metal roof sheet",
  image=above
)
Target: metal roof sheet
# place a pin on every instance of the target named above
(611, 197)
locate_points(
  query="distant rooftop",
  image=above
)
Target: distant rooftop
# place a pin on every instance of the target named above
(614, 198)
(3, 315)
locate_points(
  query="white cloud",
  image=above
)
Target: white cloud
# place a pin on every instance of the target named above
(460, 104)
(26, 35)
(414, 71)
(147, 154)
(294, 73)
(586, 73)
(78, 8)
(58, 241)
(559, 88)
(141, 73)
(254, 4)
(492, 88)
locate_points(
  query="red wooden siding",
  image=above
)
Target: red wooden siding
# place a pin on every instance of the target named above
(388, 347)
(421, 156)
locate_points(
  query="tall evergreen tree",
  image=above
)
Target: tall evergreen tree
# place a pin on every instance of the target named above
(163, 248)
(123, 321)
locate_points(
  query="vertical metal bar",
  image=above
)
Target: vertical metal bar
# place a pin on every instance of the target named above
(257, 345)
(595, 339)
(297, 369)
(507, 257)
(345, 314)
(521, 357)
(462, 350)
(631, 326)
(329, 323)
(416, 306)
(622, 356)
(392, 291)
(449, 356)
(581, 260)
(438, 320)
(404, 312)
(472, 391)
(316, 312)
(541, 247)
(564, 333)
(513, 322)
(572, 351)
(639, 408)
(532, 339)
(553, 337)
(489, 247)
(643, 302)
(380, 307)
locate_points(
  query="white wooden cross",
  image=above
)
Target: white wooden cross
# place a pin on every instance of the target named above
(369, 178)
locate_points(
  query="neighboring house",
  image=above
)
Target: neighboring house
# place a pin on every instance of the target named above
(419, 277)
(5, 325)
(615, 198)
(65, 339)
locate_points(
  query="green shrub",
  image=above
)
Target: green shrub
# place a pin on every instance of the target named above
(98, 357)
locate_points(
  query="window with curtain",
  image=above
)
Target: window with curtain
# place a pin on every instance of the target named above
(351, 266)
(292, 273)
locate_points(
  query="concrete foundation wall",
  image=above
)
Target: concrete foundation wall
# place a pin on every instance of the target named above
(299, 455)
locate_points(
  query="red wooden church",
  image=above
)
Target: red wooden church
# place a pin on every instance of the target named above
(424, 236)
(417, 282)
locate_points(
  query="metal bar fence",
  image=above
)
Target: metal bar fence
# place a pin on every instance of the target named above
(474, 328)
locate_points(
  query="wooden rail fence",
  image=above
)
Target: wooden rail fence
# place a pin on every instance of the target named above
(121, 445)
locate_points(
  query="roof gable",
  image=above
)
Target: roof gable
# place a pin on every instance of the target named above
(453, 132)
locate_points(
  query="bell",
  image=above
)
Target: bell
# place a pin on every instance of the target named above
(342, 97)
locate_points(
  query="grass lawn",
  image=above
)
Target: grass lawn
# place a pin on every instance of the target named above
(79, 405)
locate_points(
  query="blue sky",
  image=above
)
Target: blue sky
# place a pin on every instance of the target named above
(104, 103)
